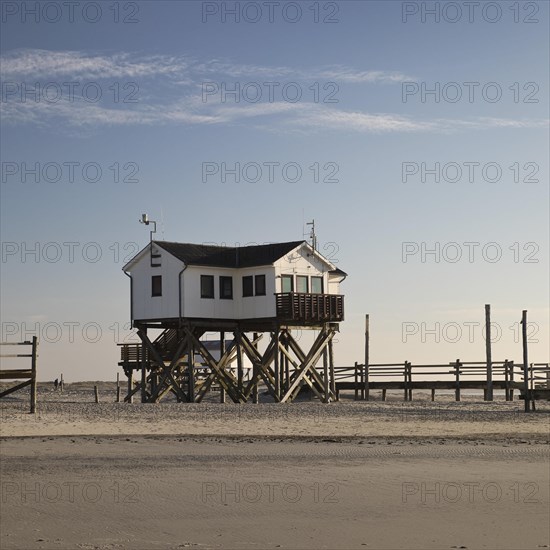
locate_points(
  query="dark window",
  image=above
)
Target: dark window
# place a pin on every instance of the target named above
(287, 283)
(156, 285)
(260, 285)
(302, 284)
(226, 288)
(248, 286)
(207, 286)
(317, 285)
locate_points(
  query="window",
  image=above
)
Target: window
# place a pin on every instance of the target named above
(207, 286)
(287, 283)
(317, 285)
(302, 284)
(226, 288)
(248, 286)
(156, 285)
(260, 285)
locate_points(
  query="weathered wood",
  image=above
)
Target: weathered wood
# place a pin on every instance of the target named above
(457, 380)
(331, 370)
(96, 394)
(526, 388)
(367, 357)
(433, 394)
(489, 396)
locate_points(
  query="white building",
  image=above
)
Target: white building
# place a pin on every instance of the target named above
(289, 282)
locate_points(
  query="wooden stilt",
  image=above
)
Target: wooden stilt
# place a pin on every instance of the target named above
(222, 353)
(433, 394)
(331, 370)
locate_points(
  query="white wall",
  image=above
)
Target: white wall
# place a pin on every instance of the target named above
(146, 306)
(238, 308)
(302, 262)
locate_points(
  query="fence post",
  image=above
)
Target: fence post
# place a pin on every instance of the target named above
(33, 374)
(367, 356)
(506, 380)
(96, 394)
(526, 388)
(406, 381)
(355, 374)
(457, 380)
(489, 358)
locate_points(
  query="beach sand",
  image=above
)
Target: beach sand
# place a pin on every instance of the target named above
(306, 475)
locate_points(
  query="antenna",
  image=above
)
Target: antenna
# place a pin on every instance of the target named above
(312, 234)
(145, 220)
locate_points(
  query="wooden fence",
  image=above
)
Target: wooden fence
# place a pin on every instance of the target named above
(17, 374)
(457, 375)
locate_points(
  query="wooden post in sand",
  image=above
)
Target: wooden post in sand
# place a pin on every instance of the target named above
(526, 389)
(118, 387)
(356, 380)
(367, 356)
(222, 351)
(489, 359)
(61, 383)
(331, 369)
(96, 394)
(33, 373)
(457, 380)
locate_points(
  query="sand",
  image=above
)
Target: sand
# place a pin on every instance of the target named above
(306, 475)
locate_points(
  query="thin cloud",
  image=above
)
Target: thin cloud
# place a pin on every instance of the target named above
(162, 103)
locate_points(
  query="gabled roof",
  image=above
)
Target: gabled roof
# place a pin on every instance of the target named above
(227, 256)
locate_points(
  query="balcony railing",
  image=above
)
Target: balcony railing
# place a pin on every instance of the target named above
(296, 306)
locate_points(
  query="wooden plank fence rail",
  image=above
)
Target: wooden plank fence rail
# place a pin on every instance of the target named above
(456, 375)
(29, 374)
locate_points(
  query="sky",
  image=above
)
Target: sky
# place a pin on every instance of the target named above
(415, 134)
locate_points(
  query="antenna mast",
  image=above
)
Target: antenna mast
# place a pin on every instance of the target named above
(312, 234)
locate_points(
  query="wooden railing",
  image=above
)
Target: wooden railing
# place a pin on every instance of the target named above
(297, 306)
(29, 374)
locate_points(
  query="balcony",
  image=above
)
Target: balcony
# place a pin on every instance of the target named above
(310, 308)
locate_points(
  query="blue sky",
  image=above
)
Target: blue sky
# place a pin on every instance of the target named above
(161, 116)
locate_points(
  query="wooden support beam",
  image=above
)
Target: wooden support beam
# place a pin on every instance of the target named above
(367, 357)
(33, 376)
(457, 379)
(489, 359)
(526, 385)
